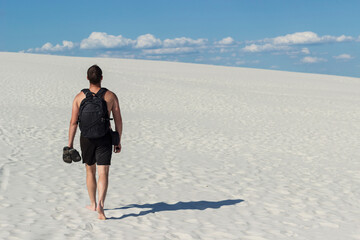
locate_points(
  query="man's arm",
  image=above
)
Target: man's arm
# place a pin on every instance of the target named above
(73, 122)
(118, 121)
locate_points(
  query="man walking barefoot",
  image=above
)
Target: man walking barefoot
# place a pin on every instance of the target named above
(98, 150)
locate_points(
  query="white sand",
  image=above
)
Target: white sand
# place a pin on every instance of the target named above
(208, 152)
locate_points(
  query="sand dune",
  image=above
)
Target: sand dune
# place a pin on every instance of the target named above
(209, 152)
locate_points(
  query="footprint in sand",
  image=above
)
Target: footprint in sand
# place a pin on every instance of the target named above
(57, 217)
(4, 178)
(59, 209)
(88, 227)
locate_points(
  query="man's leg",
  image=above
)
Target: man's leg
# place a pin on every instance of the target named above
(91, 185)
(103, 171)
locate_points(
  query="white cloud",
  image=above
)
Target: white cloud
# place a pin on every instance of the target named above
(224, 50)
(143, 45)
(177, 50)
(157, 57)
(305, 51)
(299, 38)
(296, 38)
(98, 40)
(226, 41)
(306, 38)
(313, 60)
(217, 58)
(343, 57)
(115, 54)
(151, 47)
(147, 41)
(48, 47)
(342, 38)
(183, 41)
(240, 62)
(264, 48)
(199, 59)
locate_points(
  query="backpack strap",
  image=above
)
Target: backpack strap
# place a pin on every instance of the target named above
(101, 92)
(86, 91)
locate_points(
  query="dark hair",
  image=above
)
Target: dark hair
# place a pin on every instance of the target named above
(94, 74)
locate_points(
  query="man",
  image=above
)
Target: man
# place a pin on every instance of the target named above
(98, 150)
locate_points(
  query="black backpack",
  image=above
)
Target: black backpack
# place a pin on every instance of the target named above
(94, 121)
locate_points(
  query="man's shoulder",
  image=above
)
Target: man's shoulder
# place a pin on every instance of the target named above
(79, 97)
(110, 95)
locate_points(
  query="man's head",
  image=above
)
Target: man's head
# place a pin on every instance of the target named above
(94, 74)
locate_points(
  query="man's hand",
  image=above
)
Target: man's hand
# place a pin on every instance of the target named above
(117, 148)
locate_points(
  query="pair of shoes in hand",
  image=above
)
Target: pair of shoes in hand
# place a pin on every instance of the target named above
(70, 155)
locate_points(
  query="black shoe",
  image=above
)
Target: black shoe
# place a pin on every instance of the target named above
(66, 155)
(74, 155)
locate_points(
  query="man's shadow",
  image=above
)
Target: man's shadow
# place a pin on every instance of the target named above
(161, 206)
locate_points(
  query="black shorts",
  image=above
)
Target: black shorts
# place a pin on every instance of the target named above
(97, 150)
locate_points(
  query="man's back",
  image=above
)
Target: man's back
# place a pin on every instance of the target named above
(109, 97)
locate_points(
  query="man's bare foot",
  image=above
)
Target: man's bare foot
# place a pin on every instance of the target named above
(100, 210)
(91, 207)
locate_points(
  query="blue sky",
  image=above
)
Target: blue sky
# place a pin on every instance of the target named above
(291, 35)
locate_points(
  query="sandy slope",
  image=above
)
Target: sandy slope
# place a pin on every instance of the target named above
(208, 152)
